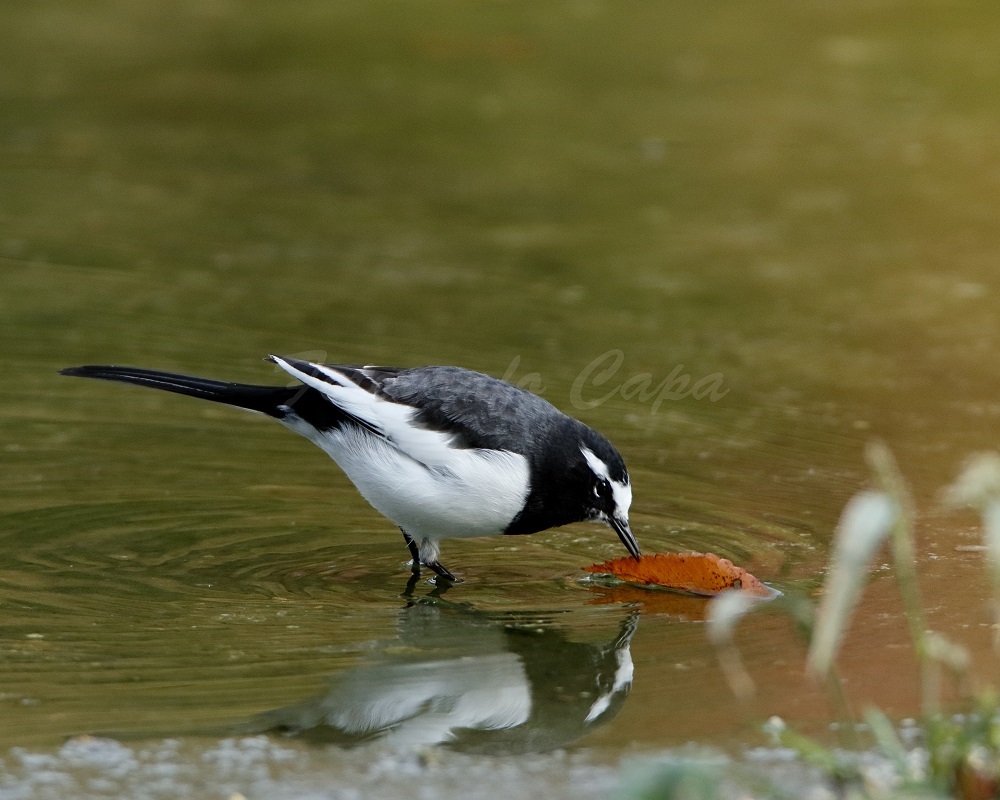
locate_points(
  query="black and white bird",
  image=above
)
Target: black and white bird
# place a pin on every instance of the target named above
(443, 452)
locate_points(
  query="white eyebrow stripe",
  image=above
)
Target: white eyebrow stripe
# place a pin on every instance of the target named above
(599, 468)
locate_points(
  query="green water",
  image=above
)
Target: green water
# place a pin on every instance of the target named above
(791, 208)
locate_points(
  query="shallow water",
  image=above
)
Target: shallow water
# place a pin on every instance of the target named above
(792, 208)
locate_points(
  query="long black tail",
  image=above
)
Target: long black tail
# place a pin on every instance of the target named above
(270, 400)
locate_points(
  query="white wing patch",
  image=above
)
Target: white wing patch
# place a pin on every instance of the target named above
(394, 421)
(413, 475)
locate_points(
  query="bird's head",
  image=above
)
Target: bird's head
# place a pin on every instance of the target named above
(610, 494)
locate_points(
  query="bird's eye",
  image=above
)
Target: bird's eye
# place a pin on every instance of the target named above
(602, 492)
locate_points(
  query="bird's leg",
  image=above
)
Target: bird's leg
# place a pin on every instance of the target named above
(434, 565)
(414, 552)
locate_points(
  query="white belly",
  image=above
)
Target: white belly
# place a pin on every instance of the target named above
(474, 493)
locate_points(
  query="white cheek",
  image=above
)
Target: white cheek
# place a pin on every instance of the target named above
(622, 493)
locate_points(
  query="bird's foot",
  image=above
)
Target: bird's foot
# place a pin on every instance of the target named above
(442, 582)
(442, 573)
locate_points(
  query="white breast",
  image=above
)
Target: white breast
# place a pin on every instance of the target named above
(466, 493)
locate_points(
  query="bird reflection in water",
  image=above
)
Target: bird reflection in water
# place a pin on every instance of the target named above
(475, 682)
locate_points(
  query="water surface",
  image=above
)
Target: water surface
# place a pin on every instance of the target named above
(793, 205)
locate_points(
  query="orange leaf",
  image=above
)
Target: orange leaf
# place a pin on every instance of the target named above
(697, 573)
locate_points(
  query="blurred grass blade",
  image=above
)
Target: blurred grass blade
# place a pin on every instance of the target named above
(978, 484)
(991, 538)
(978, 487)
(904, 548)
(887, 739)
(683, 778)
(836, 764)
(866, 520)
(952, 656)
(724, 612)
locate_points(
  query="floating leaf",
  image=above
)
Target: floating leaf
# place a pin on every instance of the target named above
(697, 573)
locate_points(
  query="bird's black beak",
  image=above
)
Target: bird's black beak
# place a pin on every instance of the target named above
(625, 534)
